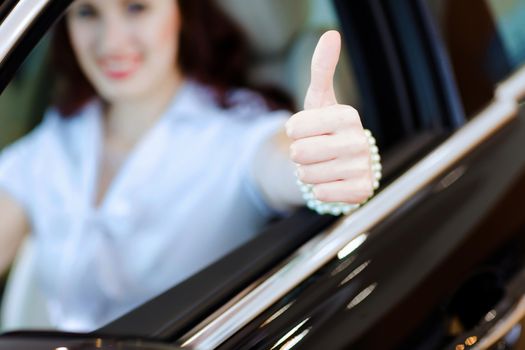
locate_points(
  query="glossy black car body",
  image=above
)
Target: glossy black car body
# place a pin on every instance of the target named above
(440, 265)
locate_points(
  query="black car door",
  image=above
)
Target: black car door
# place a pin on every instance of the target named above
(424, 264)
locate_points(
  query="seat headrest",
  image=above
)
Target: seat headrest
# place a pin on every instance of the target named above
(269, 24)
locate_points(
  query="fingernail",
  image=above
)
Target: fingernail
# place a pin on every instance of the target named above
(293, 152)
(288, 130)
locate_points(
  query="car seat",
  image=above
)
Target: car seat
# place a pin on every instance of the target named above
(23, 102)
(282, 35)
(23, 305)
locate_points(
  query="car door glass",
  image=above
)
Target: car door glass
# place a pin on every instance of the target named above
(485, 41)
(50, 165)
(509, 15)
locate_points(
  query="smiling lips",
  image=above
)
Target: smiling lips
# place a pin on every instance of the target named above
(119, 67)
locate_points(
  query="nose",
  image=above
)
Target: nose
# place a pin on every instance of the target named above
(113, 36)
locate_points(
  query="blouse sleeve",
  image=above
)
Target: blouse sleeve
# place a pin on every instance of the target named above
(15, 169)
(17, 163)
(259, 132)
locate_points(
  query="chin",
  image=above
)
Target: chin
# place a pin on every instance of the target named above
(121, 92)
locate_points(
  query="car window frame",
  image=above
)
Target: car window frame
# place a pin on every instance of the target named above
(501, 110)
(5, 8)
(201, 335)
(306, 223)
(277, 241)
(28, 33)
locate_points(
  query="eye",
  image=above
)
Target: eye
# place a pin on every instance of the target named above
(135, 7)
(85, 11)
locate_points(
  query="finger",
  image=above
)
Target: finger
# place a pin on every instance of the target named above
(334, 170)
(347, 191)
(321, 122)
(321, 93)
(317, 149)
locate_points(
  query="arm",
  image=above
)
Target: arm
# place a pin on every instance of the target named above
(274, 173)
(13, 226)
(326, 141)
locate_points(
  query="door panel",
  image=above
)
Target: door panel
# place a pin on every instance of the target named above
(407, 271)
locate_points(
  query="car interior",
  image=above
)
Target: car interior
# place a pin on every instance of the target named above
(415, 83)
(282, 36)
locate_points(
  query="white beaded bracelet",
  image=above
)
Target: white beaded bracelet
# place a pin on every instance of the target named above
(338, 208)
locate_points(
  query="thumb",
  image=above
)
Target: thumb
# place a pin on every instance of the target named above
(324, 61)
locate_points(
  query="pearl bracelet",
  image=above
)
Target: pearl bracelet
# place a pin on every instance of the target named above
(338, 208)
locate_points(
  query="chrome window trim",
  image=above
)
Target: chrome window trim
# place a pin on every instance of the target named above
(513, 88)
(18, 22)
(263, 293)
(317, 252)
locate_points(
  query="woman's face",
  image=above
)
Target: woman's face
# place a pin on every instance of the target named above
(126, 48)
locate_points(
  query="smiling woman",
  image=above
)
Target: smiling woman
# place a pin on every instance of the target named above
(446, 226)
(152, 118)
(128, 50)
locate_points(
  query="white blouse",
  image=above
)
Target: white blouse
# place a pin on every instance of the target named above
(183, 199)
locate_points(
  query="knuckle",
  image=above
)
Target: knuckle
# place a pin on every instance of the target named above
(368, 189)
(301, 115)
(347, 109)
(293, 153)
(361, 143)
(293, 150)
(359, 191)
(349, 115)
(363, 163)
(360, 197)
(291, 127)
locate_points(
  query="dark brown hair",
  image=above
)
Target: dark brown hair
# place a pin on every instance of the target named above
(213, 51)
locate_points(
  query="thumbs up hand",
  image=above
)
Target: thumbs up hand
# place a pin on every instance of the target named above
(329, 144)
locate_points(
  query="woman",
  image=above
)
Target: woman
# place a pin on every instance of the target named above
(157, 159)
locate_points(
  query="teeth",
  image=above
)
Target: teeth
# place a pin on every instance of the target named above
(118, 66)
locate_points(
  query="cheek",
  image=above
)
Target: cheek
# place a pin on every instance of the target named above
(164, 37)
(81, 42)
(171, 28)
